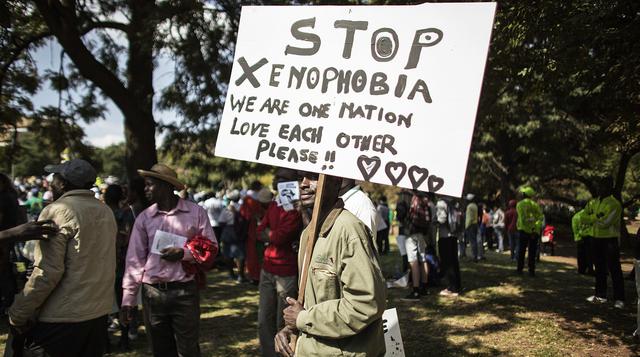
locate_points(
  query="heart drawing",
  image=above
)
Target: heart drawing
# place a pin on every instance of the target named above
(395, 171)
(368, 166)
(435, 183)
(417, 175)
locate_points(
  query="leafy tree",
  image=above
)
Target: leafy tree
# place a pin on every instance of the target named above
(113, 47)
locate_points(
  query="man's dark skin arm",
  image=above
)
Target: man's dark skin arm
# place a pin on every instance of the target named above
(29, 231)
(282, 340)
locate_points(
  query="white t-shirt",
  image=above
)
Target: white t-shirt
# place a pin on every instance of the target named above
(214, 207)
(360, 205)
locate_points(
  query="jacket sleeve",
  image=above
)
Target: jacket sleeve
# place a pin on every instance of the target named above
(136, 260)
(287, 229)
(362, 301)
(611, 218)
(48, 265)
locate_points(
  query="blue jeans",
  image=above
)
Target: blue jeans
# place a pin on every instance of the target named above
(498, 231)
(472, 236)
(514, 244)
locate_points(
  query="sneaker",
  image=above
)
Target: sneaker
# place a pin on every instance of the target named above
(447, 292)
(115, 326)
(413, 296)
(619, 304)
(595, 299)
(133, 334)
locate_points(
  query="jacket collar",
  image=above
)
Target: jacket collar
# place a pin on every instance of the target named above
(78, 193)
(180, 207)
(331, 219)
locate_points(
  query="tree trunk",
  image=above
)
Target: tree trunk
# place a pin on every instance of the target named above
(623, 165)
(135, 101)
(140, 126)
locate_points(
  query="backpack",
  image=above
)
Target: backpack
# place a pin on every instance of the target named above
(419, 214)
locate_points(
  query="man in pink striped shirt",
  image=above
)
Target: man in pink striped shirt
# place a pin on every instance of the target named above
(154, 261)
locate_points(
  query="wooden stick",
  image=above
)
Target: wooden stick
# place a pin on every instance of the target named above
(326, 196)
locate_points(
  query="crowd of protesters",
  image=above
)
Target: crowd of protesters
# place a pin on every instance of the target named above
(72, 290)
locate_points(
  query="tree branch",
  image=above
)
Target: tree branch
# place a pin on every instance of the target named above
(62, 22)
(15, 53)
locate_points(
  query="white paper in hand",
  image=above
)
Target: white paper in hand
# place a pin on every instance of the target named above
(164, 239)
(392, 337)
(288, 192)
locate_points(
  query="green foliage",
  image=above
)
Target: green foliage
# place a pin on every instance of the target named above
(111, 160)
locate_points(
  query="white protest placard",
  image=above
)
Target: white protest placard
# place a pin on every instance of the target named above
(385, 94)
(164, 239)
(392, 336)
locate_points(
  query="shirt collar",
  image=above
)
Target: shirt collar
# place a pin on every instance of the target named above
(181, 206)
(350, 193)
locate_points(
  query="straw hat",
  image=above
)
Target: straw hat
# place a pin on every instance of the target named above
(164, 173)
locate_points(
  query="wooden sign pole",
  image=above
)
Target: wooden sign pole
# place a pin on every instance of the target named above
(326, 196)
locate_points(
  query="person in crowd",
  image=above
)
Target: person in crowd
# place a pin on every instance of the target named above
(487, 222)
(529, 224)
(402, 216)
(136, 202)
(510, 222)
(113, 197)
(214, 206)
(471, 228)
(345, 292)
(448, 225)
(9, 218)
(383, 226)
(416, 244)
(233, 231)
(158, 260)
(358, 202)
(279, 229)
(63, 308)
(136, 198)
(498, 227)
(251, 212)
(604, 213)
(578, 227)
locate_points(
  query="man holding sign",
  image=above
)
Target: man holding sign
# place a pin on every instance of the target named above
(154, 260)
(345, 292)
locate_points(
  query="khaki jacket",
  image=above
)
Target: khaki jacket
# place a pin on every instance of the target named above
(345, 293)
(74, 271)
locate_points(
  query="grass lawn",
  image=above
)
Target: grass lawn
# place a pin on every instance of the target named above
(499, 313)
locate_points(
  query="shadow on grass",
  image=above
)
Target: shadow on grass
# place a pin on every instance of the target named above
(501, 313)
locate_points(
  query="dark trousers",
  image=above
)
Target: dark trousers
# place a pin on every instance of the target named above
(449, 265)
(527, 240)
(606, 256)
(73, 339)
(172, 319)
(588, 254)
(585, 258)
(382, 238)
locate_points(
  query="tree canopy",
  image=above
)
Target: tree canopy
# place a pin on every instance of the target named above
(559, 106)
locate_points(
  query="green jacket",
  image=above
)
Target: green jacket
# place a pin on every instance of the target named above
(471, 217)
(345, 293)
(529, 216)
(579, 225)
(605, 216)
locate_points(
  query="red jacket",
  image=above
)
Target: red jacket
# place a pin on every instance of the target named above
(284, 228)
(511, 217)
